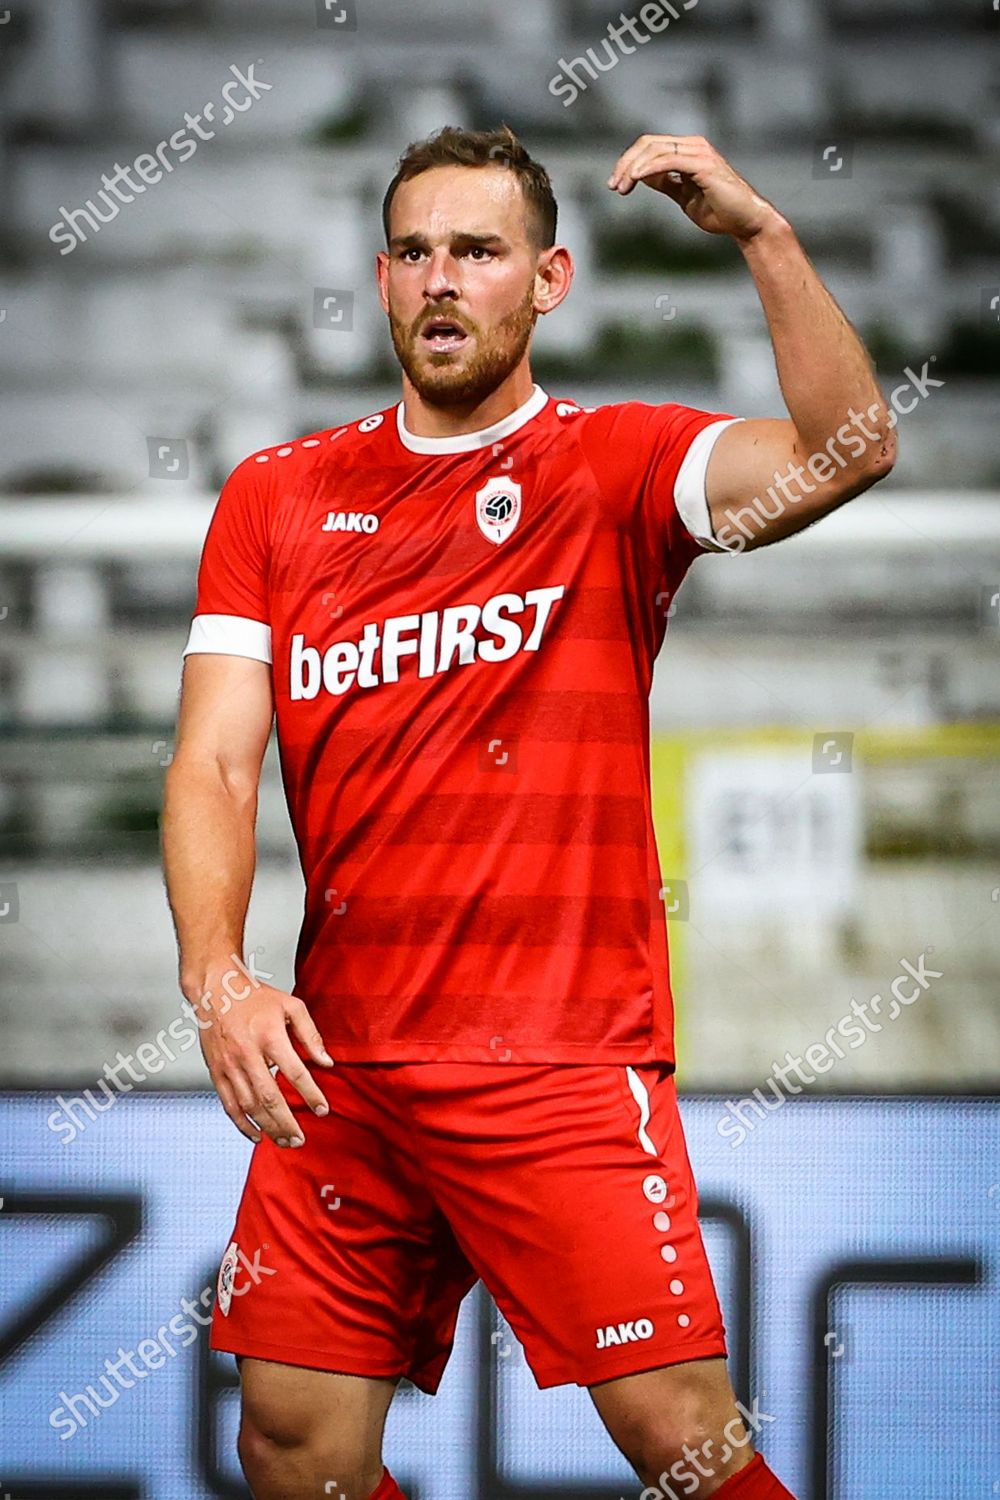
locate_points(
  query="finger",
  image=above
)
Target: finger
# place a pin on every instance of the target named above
(283, 1054)
(228, 1098)
(678, 162)
(267, 1104)
(634, 151)
(305, 1029)
(687, 159)
(662, 175)
(642, 147)
(680, 189)
(637, 145)
(242, 1092)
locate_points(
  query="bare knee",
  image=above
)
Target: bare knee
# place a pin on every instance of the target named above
(280, 1464)
(311, 1434)
(693, 1455)
(676, 1425)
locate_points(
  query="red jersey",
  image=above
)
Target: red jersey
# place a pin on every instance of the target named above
(462, 633)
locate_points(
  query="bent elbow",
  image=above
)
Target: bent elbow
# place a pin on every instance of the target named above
(880, 462)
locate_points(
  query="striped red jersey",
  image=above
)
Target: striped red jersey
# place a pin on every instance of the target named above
(462, 633)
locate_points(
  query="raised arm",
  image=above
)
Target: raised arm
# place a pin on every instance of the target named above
(209, 856)
(769, 478)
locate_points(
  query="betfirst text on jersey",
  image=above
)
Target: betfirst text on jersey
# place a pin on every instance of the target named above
(438, 640)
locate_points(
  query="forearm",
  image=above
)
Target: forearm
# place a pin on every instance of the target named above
(209, 856)
(823, 367)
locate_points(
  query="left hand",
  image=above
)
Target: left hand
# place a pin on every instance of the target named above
(691, 172)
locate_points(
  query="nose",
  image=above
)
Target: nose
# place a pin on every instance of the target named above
(440, 278)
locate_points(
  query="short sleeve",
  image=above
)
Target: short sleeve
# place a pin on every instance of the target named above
(232, 612)
(652, 461)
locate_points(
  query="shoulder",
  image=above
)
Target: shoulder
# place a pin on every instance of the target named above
(571, 416)
(594, 430)
(624, 437)
(636, 420)
(631, 435)
(304, 452)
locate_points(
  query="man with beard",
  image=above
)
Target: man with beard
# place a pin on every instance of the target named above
(454, 606)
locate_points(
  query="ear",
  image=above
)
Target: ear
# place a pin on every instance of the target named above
(382, 278)
(553, 278)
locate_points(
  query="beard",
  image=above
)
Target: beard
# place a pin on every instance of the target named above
(449, 381)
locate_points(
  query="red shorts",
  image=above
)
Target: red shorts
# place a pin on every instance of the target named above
(566, 1188)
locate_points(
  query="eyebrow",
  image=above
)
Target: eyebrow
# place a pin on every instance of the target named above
(419, 241)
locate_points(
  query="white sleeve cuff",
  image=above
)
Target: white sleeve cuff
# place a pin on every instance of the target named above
(229, 635)
(689, 488)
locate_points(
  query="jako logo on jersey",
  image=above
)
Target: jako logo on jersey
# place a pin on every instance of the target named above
(350, 520)
(624, 1333)
(498, 508)
(439, 639)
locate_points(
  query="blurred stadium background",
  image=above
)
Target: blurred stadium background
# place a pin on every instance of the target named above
(826, 713)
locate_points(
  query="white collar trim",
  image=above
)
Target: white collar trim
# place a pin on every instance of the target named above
(468, 442)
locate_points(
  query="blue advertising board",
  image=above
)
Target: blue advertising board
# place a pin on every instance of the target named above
(855, 1244)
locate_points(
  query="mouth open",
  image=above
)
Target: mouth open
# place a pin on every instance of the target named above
(444, 336)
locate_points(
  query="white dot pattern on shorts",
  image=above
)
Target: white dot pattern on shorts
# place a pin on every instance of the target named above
(656, 1190)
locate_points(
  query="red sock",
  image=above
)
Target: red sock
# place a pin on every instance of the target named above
(387, 1489)
(755, 1481)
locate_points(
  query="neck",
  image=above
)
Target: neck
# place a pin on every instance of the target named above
(425, 419)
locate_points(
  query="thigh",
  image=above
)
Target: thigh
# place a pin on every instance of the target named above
(570, 1191)
(340, 1260)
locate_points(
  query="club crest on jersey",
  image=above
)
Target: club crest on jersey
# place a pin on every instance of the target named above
(498, 508)
(227, 1278)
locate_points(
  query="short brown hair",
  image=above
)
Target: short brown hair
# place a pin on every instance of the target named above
(452, 146)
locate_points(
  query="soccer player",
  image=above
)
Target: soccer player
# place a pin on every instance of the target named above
(453, 606)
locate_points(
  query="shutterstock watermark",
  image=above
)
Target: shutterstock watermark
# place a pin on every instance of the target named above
(855, 435)
(704, 1462)
(121, 187)
(742, 1115)
(652, 18)
(70, 1119)
(238, 1274)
